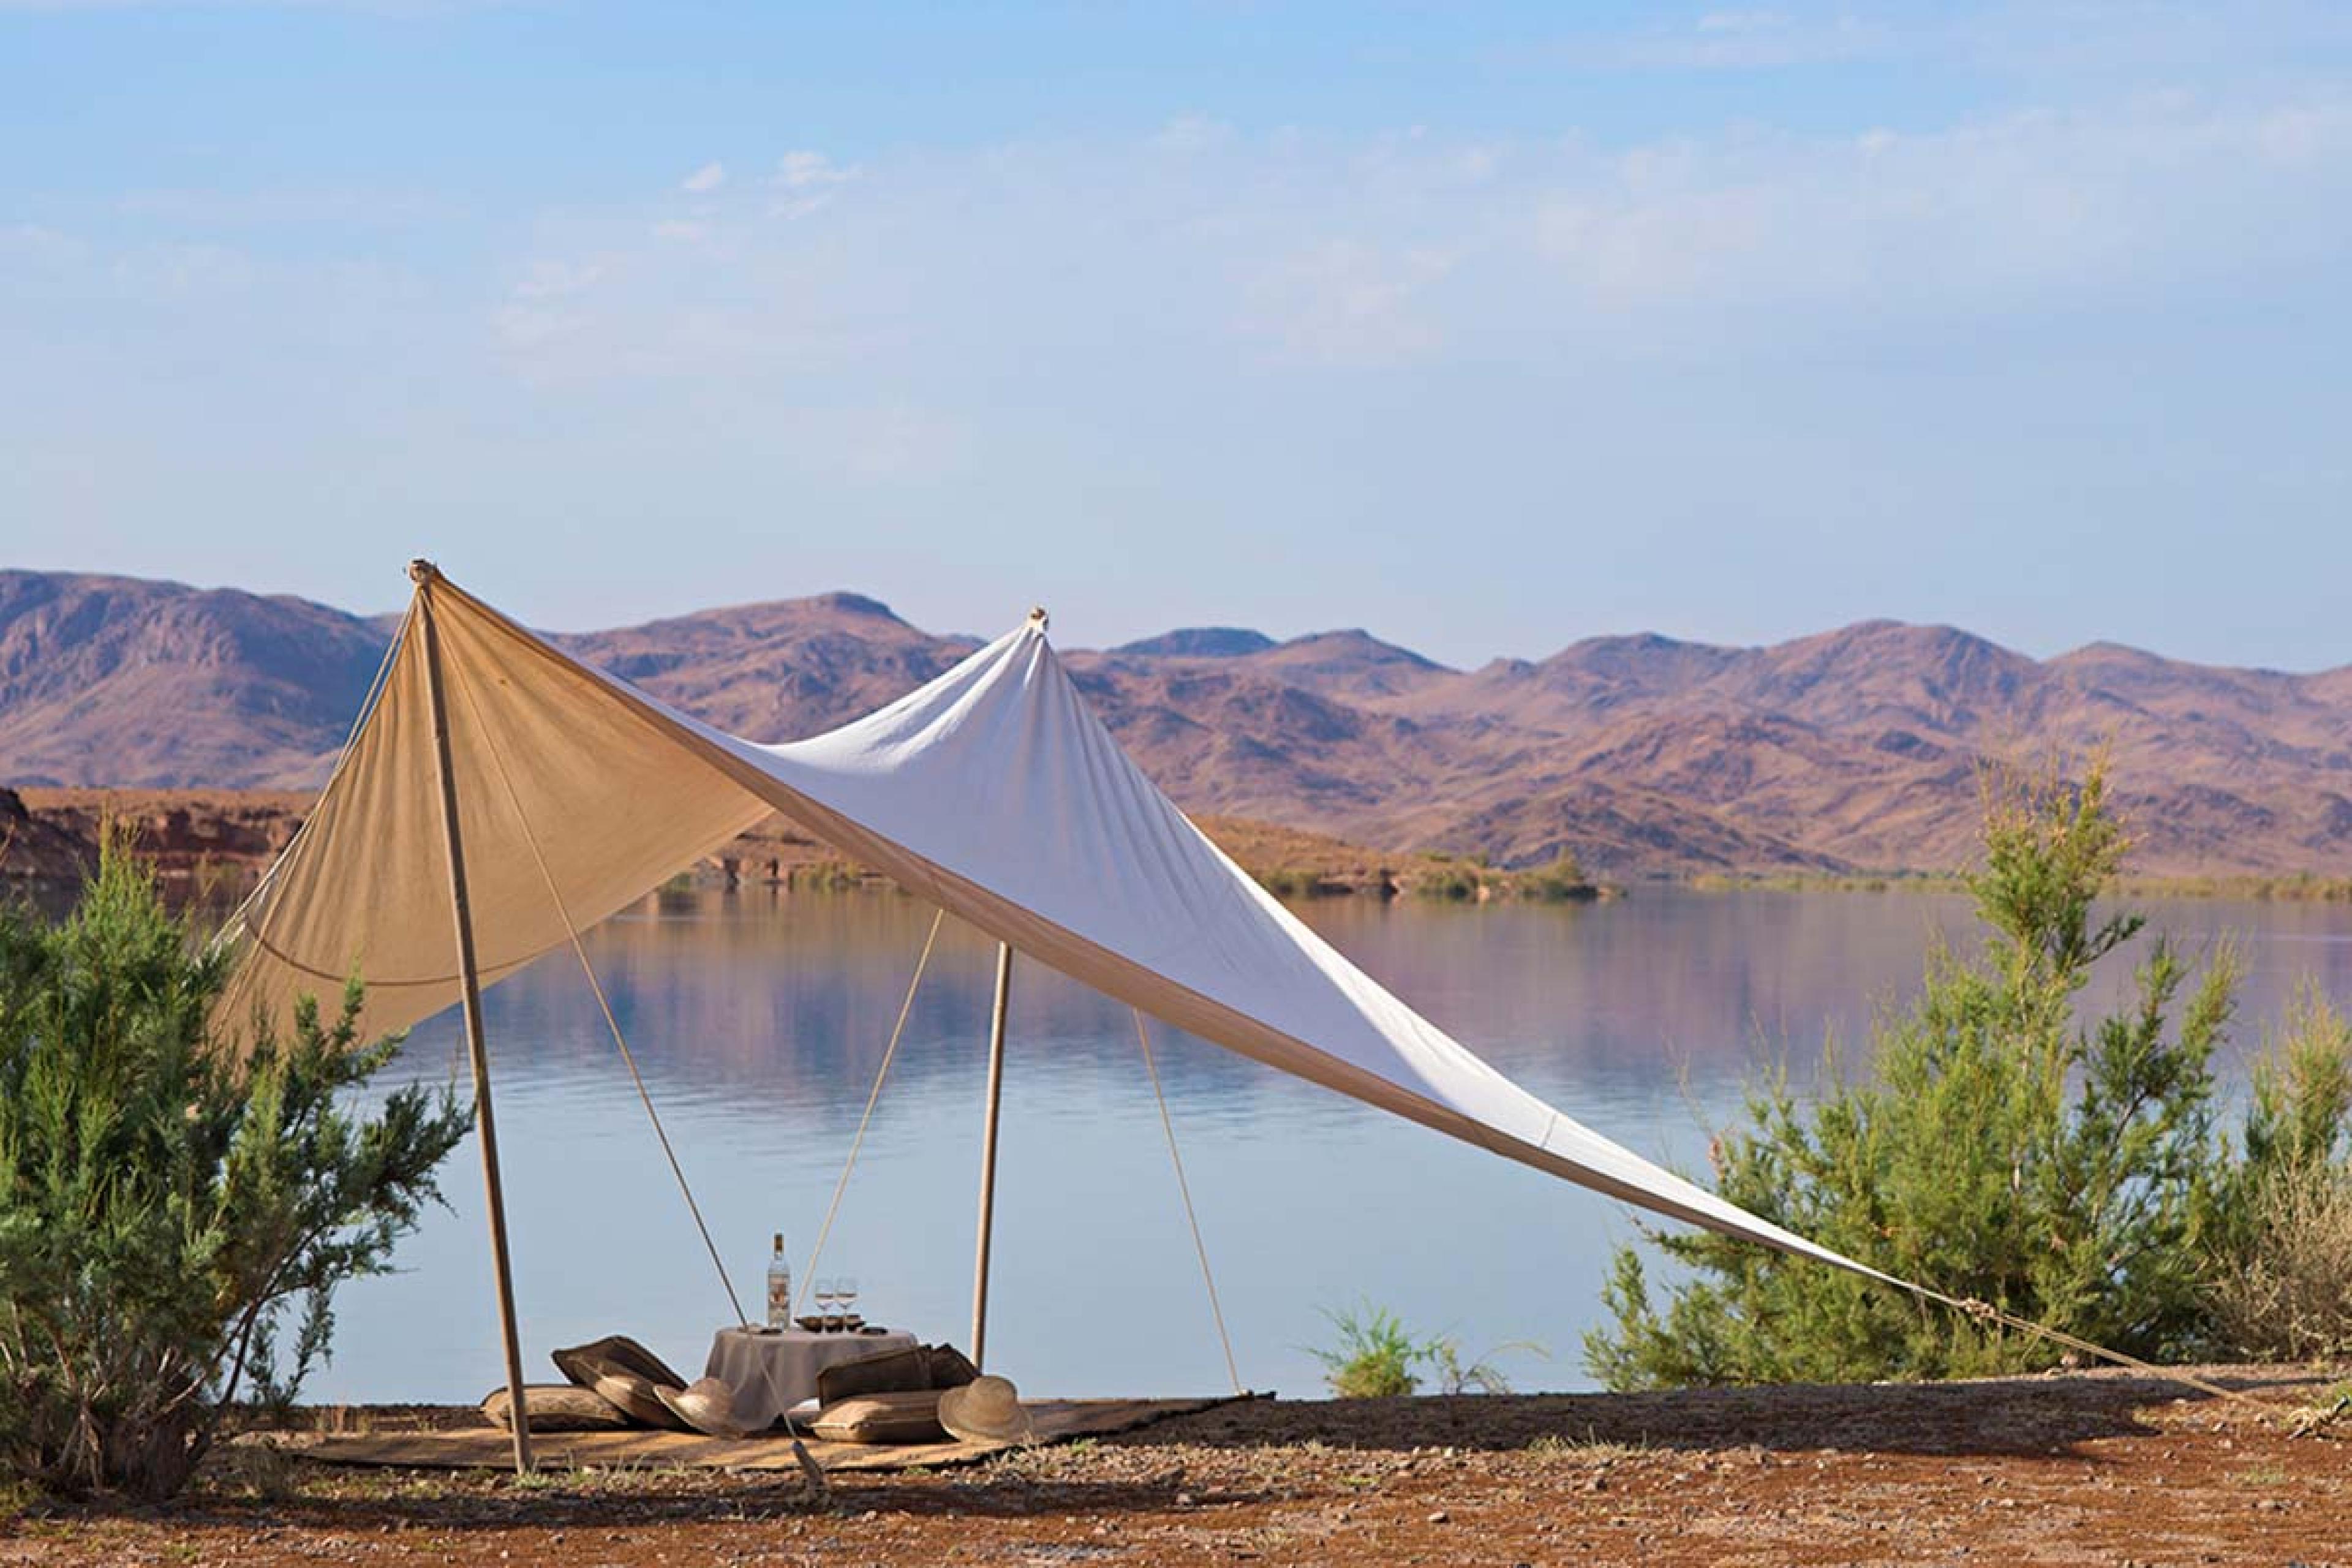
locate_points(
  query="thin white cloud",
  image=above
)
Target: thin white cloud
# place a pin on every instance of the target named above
(1361, 253)
(803, 170)
(1345, 302)
(805, 183)
(705, 180)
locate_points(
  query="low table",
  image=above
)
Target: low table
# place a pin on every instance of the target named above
(771, 1373)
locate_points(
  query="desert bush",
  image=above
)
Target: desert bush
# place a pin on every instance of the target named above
(2281, 1247)
(1289, 882)
(1459, 1371)
(1559, 882)
(1998, 1151)
(2285, 1293)
(1376, 1356)
(167, 1195)
(1446, 882)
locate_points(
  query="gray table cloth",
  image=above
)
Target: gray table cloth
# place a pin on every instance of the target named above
(772, 1372)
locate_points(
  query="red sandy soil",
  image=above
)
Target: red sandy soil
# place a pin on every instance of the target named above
(2074, 1468)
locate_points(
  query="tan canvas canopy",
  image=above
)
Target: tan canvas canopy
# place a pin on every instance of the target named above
(994, 792)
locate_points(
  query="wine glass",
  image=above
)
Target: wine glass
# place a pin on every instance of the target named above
(845, 1294)
(826, 1294)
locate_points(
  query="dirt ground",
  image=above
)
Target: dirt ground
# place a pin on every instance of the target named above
(2074, 1468)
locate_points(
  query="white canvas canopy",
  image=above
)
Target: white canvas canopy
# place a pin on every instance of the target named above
(499, 796)
(992, 792)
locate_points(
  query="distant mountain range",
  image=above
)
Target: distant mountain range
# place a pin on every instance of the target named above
(1854, 749)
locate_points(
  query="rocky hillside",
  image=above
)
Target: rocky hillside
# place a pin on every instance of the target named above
(1853, 750)
(118, 680)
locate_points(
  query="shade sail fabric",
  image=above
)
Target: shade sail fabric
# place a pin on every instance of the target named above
(994, 792)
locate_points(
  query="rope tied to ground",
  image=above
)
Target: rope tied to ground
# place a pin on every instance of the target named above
(1184, 1190)
(1986, 1312)
(873, 1097)
(603, 1004)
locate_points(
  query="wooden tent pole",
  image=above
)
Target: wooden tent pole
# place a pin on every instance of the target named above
(425, 575)
(988, 1153)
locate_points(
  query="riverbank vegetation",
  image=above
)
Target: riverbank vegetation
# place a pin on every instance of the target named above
(2296, 888)
(1377, 1357)
(2000, 1149)
(177, 1207)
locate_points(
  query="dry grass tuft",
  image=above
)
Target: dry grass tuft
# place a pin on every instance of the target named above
(2291, 1299)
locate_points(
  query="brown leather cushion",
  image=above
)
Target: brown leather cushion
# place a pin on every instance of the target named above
(886, 1373)
(557, 1407)
(640, 1399)
(625, 1375)
(584, 1364)
(910, 1367)
(899, 1415)
(949, 1367)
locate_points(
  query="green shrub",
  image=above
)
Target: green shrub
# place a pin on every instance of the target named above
(2001, 1151)
(1376, 1356)
(1447, 881)
(167, 1195)
(2285, 1293)
(1459, 1372)
(1288, 882)
(2282, 1244)
(1560, 882)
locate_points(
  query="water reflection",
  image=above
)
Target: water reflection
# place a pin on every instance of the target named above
(760, 1019)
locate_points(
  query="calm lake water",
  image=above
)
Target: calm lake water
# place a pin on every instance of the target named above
(759, 1019)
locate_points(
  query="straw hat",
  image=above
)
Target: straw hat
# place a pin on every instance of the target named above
(986, 1410)
(707, 1405)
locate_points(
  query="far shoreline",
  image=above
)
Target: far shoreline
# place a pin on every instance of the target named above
(2299, 887)
(216, 842)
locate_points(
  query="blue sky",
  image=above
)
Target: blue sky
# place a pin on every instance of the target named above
(1485, 327)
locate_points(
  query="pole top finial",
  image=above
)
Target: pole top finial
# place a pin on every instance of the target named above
(1038, 617)
(421, 572)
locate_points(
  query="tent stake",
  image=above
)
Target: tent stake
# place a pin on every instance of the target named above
(988, 1153)
(517, 1413)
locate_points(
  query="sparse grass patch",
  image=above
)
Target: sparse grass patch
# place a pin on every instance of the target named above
(261, 1471)
(822, 877)
(1591, 1446)
(1376, 1356)
(2281, 1268)
(1459, 1373)
(2323, 1415)
(18, 1498)
(2290, 1296)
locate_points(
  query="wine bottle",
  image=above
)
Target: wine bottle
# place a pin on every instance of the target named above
(779, 1287)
